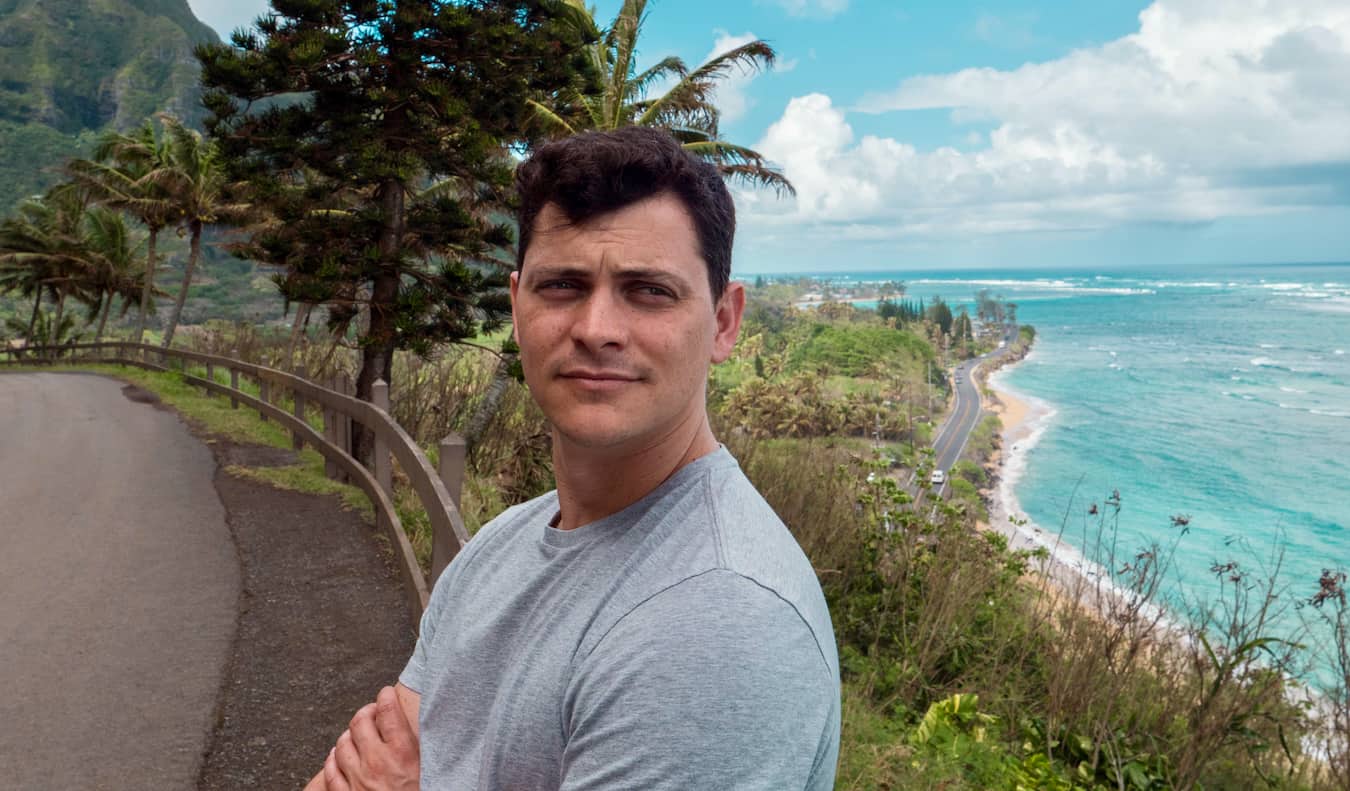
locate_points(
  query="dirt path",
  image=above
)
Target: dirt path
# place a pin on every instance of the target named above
(323, 624)
(264, 626)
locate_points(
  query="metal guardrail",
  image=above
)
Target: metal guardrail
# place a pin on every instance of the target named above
(438, 490)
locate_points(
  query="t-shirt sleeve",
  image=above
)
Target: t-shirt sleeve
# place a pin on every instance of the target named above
(437, 616)
(714, 683)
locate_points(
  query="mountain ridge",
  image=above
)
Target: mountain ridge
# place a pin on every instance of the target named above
(71, 69)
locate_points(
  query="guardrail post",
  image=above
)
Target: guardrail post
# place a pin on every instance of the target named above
(297, 439)
(234, 385)
(210, 377)
(344, 421)
(384, 471)
(330, 429)
(451, 469)
(262, 396)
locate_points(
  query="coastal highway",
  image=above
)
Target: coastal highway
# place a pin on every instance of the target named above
(955, 432)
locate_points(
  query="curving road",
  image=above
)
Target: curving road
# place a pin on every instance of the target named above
(955, 432)
(119, 587)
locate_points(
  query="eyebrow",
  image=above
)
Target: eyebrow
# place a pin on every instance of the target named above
(546, 271)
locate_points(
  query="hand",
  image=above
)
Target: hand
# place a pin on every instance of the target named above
(378, 752)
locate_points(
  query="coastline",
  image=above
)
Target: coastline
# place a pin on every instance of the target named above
(1025, 419)
(1064, 568)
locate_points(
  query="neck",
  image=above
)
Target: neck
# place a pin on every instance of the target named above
(594, 483)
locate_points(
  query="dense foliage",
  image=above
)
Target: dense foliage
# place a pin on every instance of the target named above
(382, 156)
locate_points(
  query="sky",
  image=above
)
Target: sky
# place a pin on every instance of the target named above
(1023, 134)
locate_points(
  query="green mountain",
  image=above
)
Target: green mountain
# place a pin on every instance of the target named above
(70, 69)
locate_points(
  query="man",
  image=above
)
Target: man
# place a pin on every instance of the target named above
(651, 624)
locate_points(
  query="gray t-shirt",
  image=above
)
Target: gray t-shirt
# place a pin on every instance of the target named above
(682, 643)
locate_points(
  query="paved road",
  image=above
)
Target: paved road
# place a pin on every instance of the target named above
(115, 617)
(955, 432)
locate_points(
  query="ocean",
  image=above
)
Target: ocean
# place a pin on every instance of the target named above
(1220, 395)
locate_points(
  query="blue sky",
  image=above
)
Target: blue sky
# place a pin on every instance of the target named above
(962, 134)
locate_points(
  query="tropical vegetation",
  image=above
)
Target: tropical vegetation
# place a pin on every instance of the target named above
(686, 105)
(358, 159)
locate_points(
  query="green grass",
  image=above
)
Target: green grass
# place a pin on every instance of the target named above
(308, 476)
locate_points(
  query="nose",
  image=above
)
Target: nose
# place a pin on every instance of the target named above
(600, 321)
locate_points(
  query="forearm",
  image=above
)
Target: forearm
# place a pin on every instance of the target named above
(317, 784)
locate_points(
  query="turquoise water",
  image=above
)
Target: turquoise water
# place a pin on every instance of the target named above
(1222, 394)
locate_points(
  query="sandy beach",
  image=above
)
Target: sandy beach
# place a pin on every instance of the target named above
(1025, 419)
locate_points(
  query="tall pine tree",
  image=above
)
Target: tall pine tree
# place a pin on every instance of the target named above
(404, 109)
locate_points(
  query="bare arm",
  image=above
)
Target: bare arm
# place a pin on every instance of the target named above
(374, 746)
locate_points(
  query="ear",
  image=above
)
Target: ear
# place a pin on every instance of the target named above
(515, 286)
(728, 312)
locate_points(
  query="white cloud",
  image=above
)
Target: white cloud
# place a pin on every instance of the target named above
(1214, 108)
(812, 8)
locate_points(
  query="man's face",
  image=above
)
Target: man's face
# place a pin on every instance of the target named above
(617, 326)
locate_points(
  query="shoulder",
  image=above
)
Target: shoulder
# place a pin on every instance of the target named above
(755, 544)
(717, 667)
(718, 615)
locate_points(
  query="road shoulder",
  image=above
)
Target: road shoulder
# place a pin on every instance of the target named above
(323, 624)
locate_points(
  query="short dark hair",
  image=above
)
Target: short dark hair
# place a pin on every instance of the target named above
(595, 173)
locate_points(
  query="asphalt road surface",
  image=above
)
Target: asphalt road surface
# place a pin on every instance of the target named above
(119, 587)
(951, 439)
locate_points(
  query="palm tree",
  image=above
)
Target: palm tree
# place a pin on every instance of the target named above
(40, 249)
(26, 265)
(194, 178)
(111, 265)
(687, 109)
(126, 173)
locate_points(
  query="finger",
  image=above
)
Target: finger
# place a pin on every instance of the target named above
(363, 729)
(391, 719)
(347, 758)
(332, 776)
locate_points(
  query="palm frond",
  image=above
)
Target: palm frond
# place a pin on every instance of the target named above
(621, 43)
(698, 86)
(549, 121)
(669, 68)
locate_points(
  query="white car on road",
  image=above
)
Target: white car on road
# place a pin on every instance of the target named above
(938, 477)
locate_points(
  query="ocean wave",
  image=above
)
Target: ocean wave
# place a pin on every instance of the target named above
(1293, 390)
(1184, 284)
(1339, 352)
(1282, 286)
(1266, 362)
(1326, 413)
(1044, 284)
(1332, 305)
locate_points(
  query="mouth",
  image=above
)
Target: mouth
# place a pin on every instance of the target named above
(598, 380)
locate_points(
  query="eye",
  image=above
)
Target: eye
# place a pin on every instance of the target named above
(649, 291)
